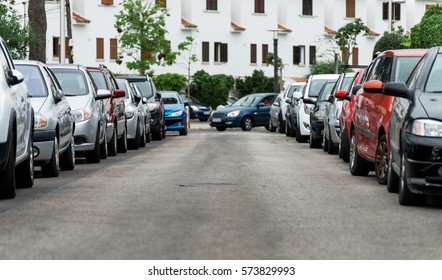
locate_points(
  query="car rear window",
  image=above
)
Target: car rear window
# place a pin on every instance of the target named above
(34, 80)
(72, 81)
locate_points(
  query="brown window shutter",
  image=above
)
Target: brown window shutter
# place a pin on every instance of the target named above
(350, 8)
(224, 53)
(100, 48)
(385, 11)
(312, 55)
(206, 53)
(265, 52)
(259, 6)
(396, 11)
(212, 5)
(113, 48)
(307, 7)
(355, 56)
(252, 53)
(162, 3)
(107, 2)
(296, 55)
(56, 47)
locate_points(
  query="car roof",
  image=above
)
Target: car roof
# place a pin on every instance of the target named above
(404, 52)
(325, 76)
(29, 62)
(66, 66)
(135, 78)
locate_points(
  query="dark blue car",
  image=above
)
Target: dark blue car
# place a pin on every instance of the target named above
(175, 113)
(249, 111)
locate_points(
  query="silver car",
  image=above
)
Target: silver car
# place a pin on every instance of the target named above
(53, 124)
(87, 110)
(137, 116)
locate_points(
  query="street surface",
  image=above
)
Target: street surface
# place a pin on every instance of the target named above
(216, 195)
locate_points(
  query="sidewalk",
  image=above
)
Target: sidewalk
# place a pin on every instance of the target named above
(197, 125)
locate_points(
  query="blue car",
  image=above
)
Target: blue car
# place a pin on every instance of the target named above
(198, 110)
(249, 111)
(175, 114)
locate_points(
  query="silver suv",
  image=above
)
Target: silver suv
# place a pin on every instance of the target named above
(16, 128)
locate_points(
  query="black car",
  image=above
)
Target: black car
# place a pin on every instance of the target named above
(156, 107)
(415, 132)
(318, 113)
(198, 110)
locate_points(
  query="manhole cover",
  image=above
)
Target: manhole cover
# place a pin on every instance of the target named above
(209, 185)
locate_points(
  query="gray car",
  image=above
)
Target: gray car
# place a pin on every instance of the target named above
(53, 123)
(87, 110)
(137, 115)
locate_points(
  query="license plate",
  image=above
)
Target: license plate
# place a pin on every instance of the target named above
(216, 120)
(206, 113)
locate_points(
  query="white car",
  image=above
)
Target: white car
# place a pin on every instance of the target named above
(311, 91)
(16, 129)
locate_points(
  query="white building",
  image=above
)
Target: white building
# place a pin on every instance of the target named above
(233, 35)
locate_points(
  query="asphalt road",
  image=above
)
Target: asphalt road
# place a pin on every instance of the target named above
(216, 195)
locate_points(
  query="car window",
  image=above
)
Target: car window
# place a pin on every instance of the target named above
(326, 91)
(315, 87)
(99, 79)
(34, 80)
(385, 68)
(72, 81)
(4, 63)
(434, 82)
(170, 98)
(246, 101)
(373, 72)
(404, 67)
(122, 85)
(144, 88)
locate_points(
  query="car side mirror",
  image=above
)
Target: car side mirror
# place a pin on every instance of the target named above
(341, 94)
(144, 100)
(398, 89)
(374, 86)
(119, 93)
(158, 95)
(103, 94)
(15, 77)
(58, 96)
(308, 100)
(288, 101)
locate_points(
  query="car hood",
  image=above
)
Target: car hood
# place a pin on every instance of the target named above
(37, 103)
(229, 109)
(430, 103)
(78, 102)
(173, 107)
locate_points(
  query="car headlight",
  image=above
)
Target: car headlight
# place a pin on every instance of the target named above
(428, 128)
(153, 106)
(176, 114)
(233, 114)
(39, 121)
(308, 108)
(81, 115)
(193, 107)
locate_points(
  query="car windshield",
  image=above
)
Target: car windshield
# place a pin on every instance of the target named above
(34, 80)
(99, 79)
(72, 81)
(144, 88)
(315, 87)
(404, 67)
(170, 98)
(326, 91)
(295, 88)
(434, 82)
(247, 101)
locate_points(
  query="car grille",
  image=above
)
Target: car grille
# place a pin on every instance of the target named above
(218, 115)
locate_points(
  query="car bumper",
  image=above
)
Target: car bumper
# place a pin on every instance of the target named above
(200, 114)
(224, 122)
(335, 131)
(84, 136)
(175, 123)
(43, 145)
(317, 128)
(423, 159)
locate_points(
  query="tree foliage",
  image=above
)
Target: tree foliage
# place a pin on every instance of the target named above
(211, 89)
(346, 37)
(170, 81)
(323, 67)
(390, 41)
(256, 83)
(427, 33)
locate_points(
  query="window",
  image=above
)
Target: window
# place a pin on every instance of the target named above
(113, 49)
(100, 48)
(307, 7)
(212, 5)
(395, 11)
(252, 53)
(107, 2)
(350, 10)
(161, 3)
(298, 55)
(56, 47)
(312, 55)
(221, 54)
(259, 6)
(355, 56)
(206, 52)
(265, 52)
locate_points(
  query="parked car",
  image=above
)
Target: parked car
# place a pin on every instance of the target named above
(156, 107)
(303, 109)
(287, 94)
(291, 115)
(248, 112)
(372, 110)
(87, 109)
(332, 132)
(116, 133)
(175, 112)
(137, 116)
(318, 113)
(54, 126)
(415, 131)
(275, 114)
(16, 128)
(198, 110)
(347, 96)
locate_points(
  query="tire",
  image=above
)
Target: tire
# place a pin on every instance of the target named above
(298, 135)
(358, 166)
(158, 135)
(221, 128)
(271, 127)
(331, 150)
(345, 146)
(163, 132)
(287, 129)
(149, 135)
(405, 196)
(325, 142)
(52, 169)
(135, 143)
(246, 123)
(112, 145)
(67, 159)
(94, 156)
(314, 143)
(280, 125)
(184, 132)
(122, 143)
(393, 178)
(24, 172)
(204, 119)
(143, 137)
(381, 161)
(7, 176)
(104, 152)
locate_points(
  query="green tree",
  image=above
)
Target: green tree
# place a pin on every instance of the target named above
(170, 81)
(256, 83)
(211, 89)
(14, 34)
(427, 33)
(346, 37)
(390, 41)
(323, 67)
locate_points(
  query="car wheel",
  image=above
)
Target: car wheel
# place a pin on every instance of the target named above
(393, 178)
(122, 143)
(345, 146)
(288, 131)
(313, 143)
(221, 128)
(67, 159)
(292, 131)
(7, 176)
(281, 125)
(324, 142)
(24, 172)
(163, 131)
(112, 145)
(148, 135)
(298, 134)
(405, 196)
(104, 152)
(52, 169)
(135, 143)
(271, 127)
(184, 131)
(358, 166)
(381, 161)
(247, 123)
(94, 156)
